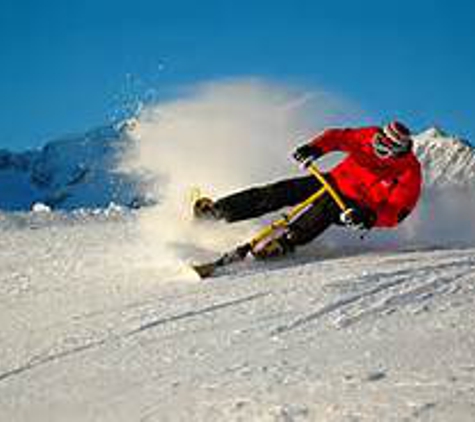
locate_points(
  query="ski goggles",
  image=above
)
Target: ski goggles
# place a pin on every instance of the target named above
(386, 147)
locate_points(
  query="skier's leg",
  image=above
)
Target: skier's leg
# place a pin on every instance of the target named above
(303, 228)
(314, 221)
(260, 200)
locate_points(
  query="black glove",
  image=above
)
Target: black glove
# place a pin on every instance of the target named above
(358, 219)
(305, 153)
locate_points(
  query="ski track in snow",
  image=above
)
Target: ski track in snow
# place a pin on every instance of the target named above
(413, 286)
(92, 331)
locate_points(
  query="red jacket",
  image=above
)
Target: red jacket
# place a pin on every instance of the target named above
(388, 186)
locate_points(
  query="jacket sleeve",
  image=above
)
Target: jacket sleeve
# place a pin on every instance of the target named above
(402, 198)
(346, 140)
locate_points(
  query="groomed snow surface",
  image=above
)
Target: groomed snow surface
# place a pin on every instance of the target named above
(92, 329)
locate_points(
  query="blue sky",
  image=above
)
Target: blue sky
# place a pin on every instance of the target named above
(68, 65)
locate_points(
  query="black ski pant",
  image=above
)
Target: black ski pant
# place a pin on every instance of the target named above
(261, 200)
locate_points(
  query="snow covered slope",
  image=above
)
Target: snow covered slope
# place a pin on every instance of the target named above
(94, 329)
(73, 172)
(101, 323)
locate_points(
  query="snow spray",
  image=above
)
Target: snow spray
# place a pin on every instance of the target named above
(228, 135)
(221, 137)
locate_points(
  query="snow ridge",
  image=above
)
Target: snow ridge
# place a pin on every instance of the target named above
(81, 171)
(72, 172)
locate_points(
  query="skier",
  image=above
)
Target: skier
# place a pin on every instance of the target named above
(379, 181)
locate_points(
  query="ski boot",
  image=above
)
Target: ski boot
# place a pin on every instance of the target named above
(204, 209)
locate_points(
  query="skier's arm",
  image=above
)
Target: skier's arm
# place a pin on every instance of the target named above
(402, 198)
(327, 141)
(346, 140)
(331, 140)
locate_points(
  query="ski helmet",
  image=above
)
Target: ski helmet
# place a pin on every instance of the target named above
(394, 140)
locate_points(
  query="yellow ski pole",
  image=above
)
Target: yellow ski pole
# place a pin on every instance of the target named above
(312, 168)
(273, 228)
(282, 222)
(346, 211)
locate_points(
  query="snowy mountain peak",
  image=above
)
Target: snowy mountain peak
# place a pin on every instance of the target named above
(446, 160)
(75, 171)
(434, 132)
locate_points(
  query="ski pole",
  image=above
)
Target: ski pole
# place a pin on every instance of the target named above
(282, 222)
(312, 168)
